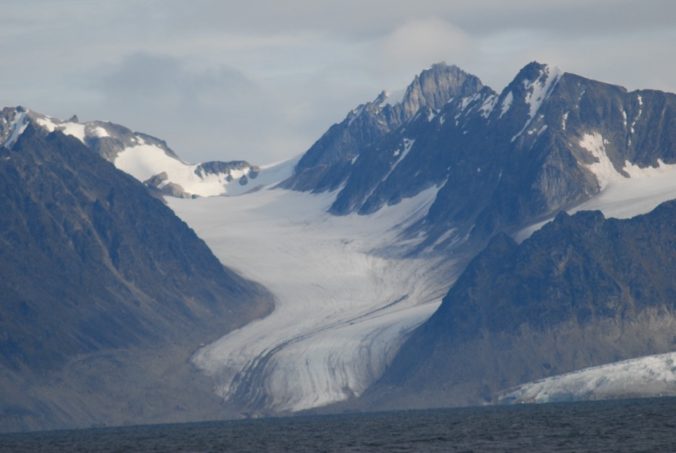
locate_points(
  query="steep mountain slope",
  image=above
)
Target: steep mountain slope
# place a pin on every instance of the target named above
(93, 266)
(582, 291)
(149, 159)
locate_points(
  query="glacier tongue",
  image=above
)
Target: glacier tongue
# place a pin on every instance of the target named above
(343, 305)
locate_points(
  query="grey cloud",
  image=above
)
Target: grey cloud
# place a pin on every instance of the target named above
(205, 111)
(263, 79)
(360, 17)
(146, 76)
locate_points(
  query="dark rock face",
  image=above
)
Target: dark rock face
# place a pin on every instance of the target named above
(218, 167)
(582, 291)
(500, 162)
(90, 262)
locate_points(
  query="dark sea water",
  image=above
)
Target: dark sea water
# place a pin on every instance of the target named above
(632, 425)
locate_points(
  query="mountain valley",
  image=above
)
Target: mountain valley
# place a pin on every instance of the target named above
(418, 254)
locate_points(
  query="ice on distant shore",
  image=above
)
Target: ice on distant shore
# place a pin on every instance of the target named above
(653, 375)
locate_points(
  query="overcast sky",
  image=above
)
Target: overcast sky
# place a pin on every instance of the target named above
(262, 79)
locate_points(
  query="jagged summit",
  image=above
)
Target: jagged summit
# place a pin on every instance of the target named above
(533, 70)
(431, 88)
(436, 85)
(326, 165)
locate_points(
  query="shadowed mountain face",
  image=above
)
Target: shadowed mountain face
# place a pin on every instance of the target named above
(582, 291)
(500, 161)
(90, 263)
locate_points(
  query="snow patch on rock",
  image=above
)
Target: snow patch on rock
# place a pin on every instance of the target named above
(538, 90)
(603, 168)
(488, 106)
(639, 99)
(564, 121)
(506, 104)
(17, 127)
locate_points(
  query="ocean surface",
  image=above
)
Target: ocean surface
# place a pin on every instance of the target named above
(613, 426)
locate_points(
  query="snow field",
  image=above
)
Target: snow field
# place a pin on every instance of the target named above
(144, 160)
(621, 197)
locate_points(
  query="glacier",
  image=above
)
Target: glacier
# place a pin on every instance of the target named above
(344, 300)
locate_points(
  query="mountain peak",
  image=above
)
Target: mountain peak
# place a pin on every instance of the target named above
(441, 67)
(531, 86)
(534, 65)
(436, 85)
(536, 72)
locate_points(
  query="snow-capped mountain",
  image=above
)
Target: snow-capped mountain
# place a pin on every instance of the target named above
(549, 141)
(149, 159)
(416, 192)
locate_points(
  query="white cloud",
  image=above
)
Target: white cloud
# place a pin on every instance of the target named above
(418, 43)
